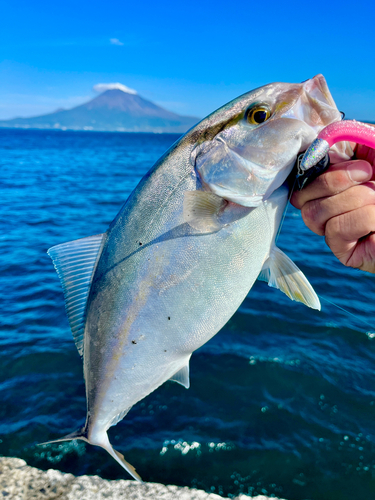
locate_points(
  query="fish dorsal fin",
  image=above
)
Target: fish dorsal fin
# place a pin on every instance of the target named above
(182, 376)
(201, 210)
(282, 273)
(75, 262)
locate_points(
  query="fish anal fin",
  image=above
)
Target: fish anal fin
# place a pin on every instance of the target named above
(75, 263)
(282, 273)
(182, 376)
(264, 275)
(201, 210)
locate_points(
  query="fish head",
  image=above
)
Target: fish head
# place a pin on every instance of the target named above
(247, 149)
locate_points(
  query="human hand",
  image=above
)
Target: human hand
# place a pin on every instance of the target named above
(340, 205)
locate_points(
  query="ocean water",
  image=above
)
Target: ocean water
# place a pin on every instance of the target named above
(282, 400)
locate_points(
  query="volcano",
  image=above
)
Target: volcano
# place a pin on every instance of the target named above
(114, 110)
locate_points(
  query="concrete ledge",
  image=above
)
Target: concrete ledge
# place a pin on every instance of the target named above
(18, 481)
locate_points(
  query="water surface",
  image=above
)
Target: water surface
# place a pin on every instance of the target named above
(282, 400)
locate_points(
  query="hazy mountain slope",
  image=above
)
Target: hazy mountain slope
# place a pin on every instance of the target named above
(113, 110)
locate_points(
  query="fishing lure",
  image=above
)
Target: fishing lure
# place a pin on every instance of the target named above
(345, 130)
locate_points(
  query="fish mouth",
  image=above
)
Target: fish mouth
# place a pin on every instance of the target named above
(323, 112)
(323, 108)
(314, 105)
(317, 88)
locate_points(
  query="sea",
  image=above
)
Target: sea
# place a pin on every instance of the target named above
(282, 399)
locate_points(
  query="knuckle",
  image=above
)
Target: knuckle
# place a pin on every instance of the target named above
(334, 181)
(368, 216)
(310, 215)
(335, 228)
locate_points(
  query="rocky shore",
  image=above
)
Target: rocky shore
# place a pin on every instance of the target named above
(18, 481)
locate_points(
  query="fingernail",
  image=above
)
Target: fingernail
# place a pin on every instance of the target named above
(359, 171)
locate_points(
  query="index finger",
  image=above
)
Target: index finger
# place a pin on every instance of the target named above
(337, 178)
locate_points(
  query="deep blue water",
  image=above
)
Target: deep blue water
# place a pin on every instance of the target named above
(282, 400)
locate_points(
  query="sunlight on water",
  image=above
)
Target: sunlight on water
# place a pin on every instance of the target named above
(55, 453)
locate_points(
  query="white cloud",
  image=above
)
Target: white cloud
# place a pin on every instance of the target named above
(115, 41)
(102, 87)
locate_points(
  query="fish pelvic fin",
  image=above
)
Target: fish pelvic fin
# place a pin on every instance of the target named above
(282, 273)
(103, 441)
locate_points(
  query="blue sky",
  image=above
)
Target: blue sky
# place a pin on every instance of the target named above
(188, 56)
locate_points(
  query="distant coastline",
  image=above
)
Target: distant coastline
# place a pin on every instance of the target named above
(117, 109)
(61, 130)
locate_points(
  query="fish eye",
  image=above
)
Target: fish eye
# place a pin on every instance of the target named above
(258, 114)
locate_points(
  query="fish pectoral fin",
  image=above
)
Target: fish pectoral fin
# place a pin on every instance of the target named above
(201, 210)
(282, 273)
(75, 263)
(182, 376)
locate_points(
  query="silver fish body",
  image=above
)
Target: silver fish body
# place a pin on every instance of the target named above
(158, 285)
(178, 289)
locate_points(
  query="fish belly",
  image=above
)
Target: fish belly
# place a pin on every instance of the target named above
(143, 331)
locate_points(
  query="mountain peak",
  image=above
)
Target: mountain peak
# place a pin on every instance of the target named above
(116, 108)
(102, 87)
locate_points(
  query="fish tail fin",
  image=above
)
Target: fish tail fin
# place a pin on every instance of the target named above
(103, 441)
(79, 434)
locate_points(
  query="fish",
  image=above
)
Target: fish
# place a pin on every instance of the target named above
(186, 248)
